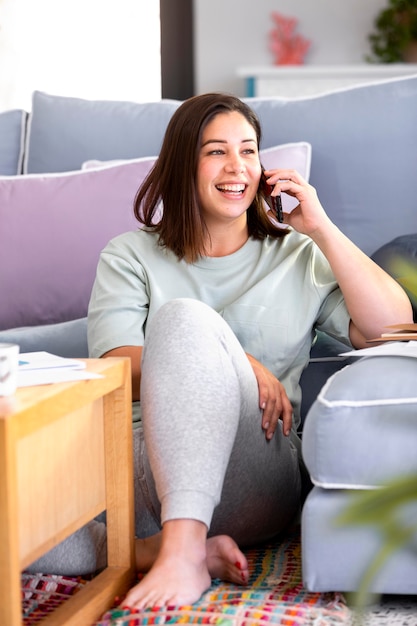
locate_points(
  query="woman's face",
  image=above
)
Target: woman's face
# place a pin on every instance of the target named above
(228, 168)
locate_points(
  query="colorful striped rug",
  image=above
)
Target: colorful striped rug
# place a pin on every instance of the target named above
(42, 594)
(275, 595)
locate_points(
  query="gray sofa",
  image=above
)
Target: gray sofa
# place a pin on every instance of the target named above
(56, 217)
(358, 147)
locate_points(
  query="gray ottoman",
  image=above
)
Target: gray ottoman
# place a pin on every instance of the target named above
(360, 434)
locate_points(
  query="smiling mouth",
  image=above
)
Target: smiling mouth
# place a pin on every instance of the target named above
(237, 189)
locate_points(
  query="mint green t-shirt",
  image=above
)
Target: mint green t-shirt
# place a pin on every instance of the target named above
(273, 294)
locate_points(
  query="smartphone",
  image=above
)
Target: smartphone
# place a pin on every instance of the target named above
(274, 202)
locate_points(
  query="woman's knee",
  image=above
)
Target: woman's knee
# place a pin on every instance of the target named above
(180, 313)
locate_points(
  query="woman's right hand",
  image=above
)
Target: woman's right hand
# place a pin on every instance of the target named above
(273, 400)
(309, 216)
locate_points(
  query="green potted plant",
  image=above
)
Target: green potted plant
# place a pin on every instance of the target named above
(395, 37)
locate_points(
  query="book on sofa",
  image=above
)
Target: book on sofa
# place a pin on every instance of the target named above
(398, 332)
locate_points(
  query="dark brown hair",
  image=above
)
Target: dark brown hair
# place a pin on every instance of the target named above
(172, 180)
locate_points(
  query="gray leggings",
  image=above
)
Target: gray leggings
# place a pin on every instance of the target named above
(202, 453)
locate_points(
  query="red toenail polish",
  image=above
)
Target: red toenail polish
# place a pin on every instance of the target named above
(238, 565)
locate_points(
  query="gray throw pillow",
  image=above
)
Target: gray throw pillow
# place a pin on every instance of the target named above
(12, 130)
(65, 132)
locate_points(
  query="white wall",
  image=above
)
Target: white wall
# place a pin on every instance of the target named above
(99, 49)
(234, 33)
(110, 49)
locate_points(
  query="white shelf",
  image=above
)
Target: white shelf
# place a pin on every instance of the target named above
(292, 81)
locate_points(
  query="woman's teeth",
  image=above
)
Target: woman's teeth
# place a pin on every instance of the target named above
(231, 188)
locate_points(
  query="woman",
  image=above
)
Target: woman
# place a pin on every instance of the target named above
(216, 305)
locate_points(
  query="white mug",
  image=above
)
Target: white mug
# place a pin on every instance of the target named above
(9, 363)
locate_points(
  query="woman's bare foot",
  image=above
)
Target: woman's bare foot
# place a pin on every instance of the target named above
(226, 561)
(224, 558)
(179, 574)
(180, 563)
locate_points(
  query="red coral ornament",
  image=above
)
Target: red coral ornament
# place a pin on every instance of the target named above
(288, 47)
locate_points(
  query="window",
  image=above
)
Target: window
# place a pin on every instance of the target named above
(95, 49)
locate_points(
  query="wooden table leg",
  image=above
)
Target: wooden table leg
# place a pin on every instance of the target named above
(10, 595)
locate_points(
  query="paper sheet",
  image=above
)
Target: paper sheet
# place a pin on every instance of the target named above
(44, 368)
(54, 375)
(46, 360)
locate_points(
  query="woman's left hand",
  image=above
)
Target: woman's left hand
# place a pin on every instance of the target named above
(309, 215)
(273, 400)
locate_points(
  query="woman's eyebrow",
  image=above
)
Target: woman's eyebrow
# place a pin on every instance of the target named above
(225, 141)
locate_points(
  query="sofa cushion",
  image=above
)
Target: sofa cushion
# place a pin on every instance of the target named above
(361, 431)
(399, 258)
(12, 132)
(64, 132)
(67, 339)
(61, 223)
(363, 137)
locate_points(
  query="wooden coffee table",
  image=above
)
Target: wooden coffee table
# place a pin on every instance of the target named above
(65, 456)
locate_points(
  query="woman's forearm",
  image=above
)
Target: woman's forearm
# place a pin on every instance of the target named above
(135, 354)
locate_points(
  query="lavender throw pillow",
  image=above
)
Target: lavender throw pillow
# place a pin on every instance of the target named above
(53, 228)
(295, 155)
